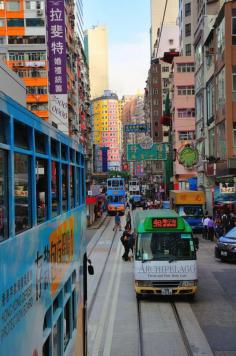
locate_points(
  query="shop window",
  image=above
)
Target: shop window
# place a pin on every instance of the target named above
(41, 189)
(22, 193)
(3, 196)
(55, 189)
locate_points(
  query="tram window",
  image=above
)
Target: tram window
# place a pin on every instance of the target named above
(77, 157)
(63, 152)
(72, 155)
(41, 189)
(57, 338)
(72, 187)
(64, 188)
(55, 189)
(83, 191)
(21, 136)
(66, 324)
(40, 142)
(77, 186)
(2, 129)
(54, 148)
(46, 347)
(22, 190)
(74, 309)
(3, 196)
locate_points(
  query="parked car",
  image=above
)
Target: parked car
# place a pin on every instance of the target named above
(225, 248)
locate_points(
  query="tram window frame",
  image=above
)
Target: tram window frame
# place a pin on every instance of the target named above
(54, 148)
(40, 142)
(72, 187)
(57, 198)
(65, 165)
(21, 135)
(45, 178)
(4, 195)
(29, 186)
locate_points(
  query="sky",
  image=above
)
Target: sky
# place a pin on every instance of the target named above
(128, 24)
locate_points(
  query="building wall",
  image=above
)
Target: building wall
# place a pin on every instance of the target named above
(79, 23)
(157, 11)
(106, 124)
(12, 85)
(187, 9)
(180, 102)
(96, 42)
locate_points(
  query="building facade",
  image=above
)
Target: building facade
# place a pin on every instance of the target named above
(107, 128)
(96, 48)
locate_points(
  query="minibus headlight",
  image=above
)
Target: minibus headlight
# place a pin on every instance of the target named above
(143, 283)
(187, 283)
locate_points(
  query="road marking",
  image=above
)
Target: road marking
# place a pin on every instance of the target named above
(106, 305)
(110, 328)
(194, 333)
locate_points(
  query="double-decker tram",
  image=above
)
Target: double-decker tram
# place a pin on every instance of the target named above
(43, 259)
(116, 196)
(135, 191)
(165, 254)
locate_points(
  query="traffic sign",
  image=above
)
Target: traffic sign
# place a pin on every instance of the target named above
(158, 152)
(138, 128)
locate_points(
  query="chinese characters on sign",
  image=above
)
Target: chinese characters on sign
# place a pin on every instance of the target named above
(136, 128)
(135, 152)
(164, 222)
(57, 79)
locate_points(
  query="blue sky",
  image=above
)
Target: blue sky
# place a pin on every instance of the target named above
(128, 23)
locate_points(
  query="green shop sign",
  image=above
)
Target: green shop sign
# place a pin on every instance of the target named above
(188, 156)
(157, 152)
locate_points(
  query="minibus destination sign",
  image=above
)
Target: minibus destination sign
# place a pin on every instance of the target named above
(164, 222)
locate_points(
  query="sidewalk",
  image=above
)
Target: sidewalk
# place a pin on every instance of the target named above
(97, 223)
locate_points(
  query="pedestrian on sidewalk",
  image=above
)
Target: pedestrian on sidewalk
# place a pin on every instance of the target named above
(117, 222)
(205, 220)
(225, 222)
(210, 229)
(125, 239)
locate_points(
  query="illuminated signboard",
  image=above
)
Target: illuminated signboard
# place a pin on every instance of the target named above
(164, 222)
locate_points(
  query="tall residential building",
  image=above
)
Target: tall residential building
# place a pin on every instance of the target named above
(187, 24)
(106, 128)
(163, 20)
(24, 49)
(79, 22)
(96, 48)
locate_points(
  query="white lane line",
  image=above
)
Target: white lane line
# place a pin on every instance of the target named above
(194, 333)
(106, 305)
(112, 315)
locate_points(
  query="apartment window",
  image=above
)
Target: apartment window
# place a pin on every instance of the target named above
(186, 113)
(34, 22)
(185, 67)
(220, 39)
(2, 40)
(15, 22)
(221, 141)
(220, 89)
(188, 9)
(188, 29)
(36, 90)
(155, 91)
(165, 69)
(13, 5)
(1, 5)
(171, 41)
(211, 142)
(234, 137)
(186, 90)
(155, 102)
(210, 102)
(2, 22)
(234, 82)
(199, 107)
(233, 26)
(188, 49)
(186, 135)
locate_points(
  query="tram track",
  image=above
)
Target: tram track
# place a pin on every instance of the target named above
(103, 268)
(176, 317)
(108, 218)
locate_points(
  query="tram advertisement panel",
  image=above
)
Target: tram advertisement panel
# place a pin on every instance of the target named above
(164, 270)
(34, 267)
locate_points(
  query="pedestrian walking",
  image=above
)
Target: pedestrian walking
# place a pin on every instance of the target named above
(125, 239)
(117, 222)
(225, 222)
(128, 219)
(210, 229)
(205, 220)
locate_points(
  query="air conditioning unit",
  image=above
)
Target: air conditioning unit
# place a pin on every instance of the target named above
(39, 13)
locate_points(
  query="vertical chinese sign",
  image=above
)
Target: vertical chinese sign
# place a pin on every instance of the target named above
(56, 50)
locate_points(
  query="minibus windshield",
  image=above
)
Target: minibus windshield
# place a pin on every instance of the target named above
(165, 246)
